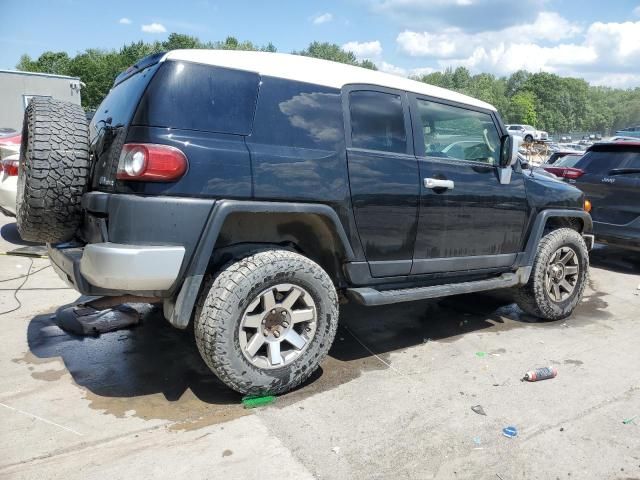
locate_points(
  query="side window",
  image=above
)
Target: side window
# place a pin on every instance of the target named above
(298, 114)
(377, 121)
(458, 134)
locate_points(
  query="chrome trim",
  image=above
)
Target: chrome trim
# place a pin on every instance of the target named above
(437, 183)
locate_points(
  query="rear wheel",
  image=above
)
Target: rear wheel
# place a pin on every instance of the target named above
(558, 277)
(265, 322)
(528, 138)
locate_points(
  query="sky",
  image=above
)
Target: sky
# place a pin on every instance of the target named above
(595, 40)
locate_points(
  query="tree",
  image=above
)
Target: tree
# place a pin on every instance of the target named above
(333, 52)
(48, 62)
(545, 100)
(522, 109)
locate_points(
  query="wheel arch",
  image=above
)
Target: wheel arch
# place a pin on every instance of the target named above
(236, 228)
(553, 219)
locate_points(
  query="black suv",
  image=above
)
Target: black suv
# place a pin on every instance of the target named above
(249, 192)
(609, 176)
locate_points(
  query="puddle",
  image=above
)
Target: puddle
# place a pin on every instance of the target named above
(154, 371)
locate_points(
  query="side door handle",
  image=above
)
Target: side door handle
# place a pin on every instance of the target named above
(437, 183)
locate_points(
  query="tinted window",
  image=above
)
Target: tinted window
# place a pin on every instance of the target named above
(458, 133)
(567, 161)
(377, 121)
(122, 100)
(298, 115)
(200, 97)
(600, 162)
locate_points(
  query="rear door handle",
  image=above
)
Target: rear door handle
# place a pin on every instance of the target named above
(437, 183)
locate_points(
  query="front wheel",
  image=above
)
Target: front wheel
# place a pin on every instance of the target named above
(528, 138)
(264, 323)
(558, 277)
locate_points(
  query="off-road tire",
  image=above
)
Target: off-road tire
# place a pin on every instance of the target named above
(53, 172)
(533, 298)
(225, 297)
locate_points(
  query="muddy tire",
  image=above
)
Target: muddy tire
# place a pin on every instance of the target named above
(53, 172)
(264, 323)
(558, 277)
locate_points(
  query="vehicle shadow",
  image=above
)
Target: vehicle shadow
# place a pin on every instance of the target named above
(615, 259)
(154, 357)
(150, 358)
(390, 328)
(9, 233)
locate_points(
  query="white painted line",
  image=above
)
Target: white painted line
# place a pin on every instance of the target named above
(41, 419)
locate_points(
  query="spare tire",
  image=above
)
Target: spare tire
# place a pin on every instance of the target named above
(54, 170)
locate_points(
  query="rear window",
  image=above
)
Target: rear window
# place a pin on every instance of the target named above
(567, 161)
(600, 162)
(192, 96)
(121, 102)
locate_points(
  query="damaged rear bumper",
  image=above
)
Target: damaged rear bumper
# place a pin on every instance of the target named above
(114, 269)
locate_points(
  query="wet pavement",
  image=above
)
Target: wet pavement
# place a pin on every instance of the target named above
(392, 400)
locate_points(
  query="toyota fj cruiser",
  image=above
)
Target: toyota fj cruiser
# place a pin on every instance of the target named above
(248, 191)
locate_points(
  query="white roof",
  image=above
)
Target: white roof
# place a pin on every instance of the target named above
(316, 71)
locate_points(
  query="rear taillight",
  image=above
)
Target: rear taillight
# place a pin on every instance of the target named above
(9, 168)
(565, 172)
(150, 162)
(13, 140)
(572, 173)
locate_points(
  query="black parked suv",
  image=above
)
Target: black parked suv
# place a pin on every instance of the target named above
(249, 192)
(609, 176)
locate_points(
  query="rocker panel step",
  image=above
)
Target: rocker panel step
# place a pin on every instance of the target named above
(371, 297)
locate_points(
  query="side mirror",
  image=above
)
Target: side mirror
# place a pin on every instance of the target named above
(508, 156)
(509, 150)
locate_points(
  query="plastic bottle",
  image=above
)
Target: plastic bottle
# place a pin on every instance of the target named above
(540, 374)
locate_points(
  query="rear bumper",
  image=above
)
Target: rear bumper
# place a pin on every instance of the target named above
(131, 244)
(109, 268)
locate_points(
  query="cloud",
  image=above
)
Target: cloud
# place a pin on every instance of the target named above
(364, 49)
(615, 43)
(616, 80)
(153, 28)
(390, 68)
(450, 42)
(403, 72)
(504, 59)
(322, 18)
(124, 21)
(605, 53)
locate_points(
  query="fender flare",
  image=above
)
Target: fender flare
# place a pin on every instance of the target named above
(178, 313)
(537, 230)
